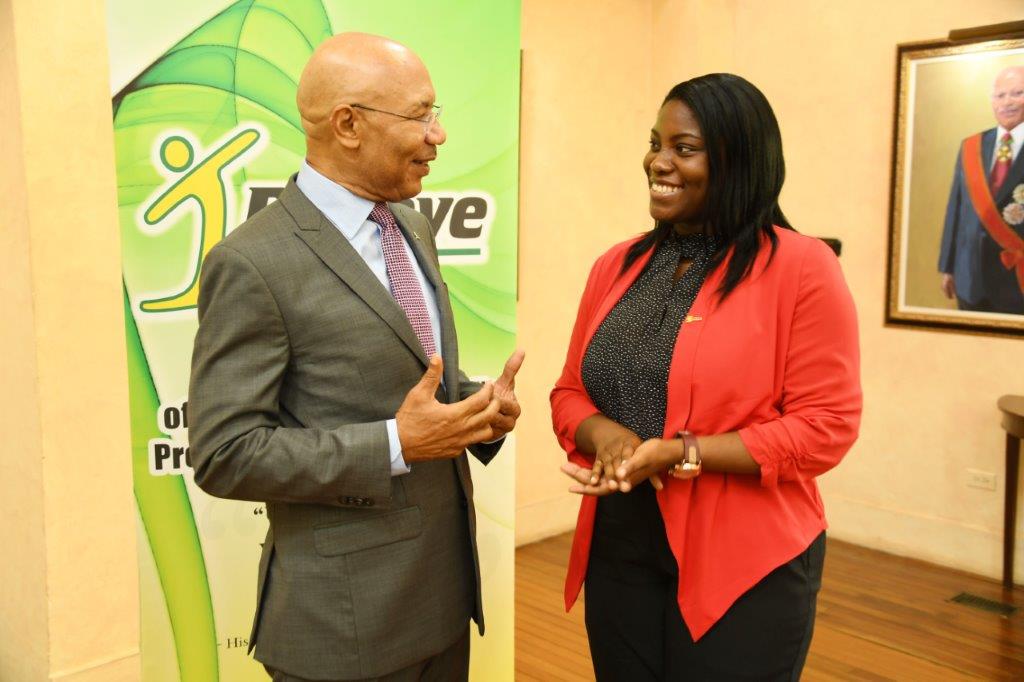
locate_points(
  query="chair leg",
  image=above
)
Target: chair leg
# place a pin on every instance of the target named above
(1010, 507)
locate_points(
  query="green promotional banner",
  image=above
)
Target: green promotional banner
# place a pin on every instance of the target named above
(207, 133)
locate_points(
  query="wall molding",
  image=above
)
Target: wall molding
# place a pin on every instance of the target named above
(125, 666)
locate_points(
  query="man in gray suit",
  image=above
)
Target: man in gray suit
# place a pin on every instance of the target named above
(326, 383)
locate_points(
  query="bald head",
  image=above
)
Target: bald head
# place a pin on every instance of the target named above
(1008, 97)
(354, 68)
(367, 106)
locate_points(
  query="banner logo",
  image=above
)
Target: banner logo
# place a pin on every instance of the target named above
(461, 221)
(200, 187)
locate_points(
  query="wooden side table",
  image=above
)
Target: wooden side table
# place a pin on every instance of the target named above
(1012, 407)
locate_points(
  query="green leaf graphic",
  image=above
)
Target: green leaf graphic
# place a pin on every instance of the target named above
(167, 517)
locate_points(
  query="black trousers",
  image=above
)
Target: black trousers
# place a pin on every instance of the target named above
(637, 634)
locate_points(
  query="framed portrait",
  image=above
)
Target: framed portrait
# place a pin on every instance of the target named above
(956, 248)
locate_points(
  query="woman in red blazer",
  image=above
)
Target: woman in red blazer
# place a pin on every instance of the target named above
(712, 374)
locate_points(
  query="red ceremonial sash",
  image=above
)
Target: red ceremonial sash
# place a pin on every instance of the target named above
(1012, 255)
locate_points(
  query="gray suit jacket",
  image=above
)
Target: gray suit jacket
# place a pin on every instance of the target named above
(300, 358)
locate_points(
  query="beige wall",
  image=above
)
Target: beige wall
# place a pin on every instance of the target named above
(23, 622)
(69, 604)
(828, 68)
(585, 117)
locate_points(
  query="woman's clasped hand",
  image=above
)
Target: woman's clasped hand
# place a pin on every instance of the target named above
(622, 460)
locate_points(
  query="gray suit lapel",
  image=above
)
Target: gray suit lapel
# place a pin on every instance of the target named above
(451, 363)
(338, 255)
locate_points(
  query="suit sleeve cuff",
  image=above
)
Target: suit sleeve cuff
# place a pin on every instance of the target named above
(398, 465)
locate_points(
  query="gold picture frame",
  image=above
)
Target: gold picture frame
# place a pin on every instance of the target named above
(944, 96)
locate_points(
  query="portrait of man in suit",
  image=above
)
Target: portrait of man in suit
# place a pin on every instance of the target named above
(981, 259)
(326, 383)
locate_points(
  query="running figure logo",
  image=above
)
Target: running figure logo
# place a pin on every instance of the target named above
(206, 183)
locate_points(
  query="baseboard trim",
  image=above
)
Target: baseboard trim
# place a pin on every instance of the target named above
(125, 667)
(965, 546)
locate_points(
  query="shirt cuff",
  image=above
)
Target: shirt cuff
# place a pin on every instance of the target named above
(398, 465)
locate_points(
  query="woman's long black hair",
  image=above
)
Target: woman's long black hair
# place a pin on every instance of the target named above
(745, 172)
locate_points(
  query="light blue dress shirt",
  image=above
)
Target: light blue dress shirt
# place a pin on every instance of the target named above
(351, 215)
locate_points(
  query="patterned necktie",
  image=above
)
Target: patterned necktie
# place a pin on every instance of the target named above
(405, 287)
(1001, 168)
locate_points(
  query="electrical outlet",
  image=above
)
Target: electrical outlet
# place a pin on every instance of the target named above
(985, 480)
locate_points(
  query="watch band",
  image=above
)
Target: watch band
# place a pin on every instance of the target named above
(691, 456)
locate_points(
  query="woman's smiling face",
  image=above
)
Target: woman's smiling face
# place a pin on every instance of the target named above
(677, 168)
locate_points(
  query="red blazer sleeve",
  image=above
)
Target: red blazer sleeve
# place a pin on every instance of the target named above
(821, 394)
(570, 403)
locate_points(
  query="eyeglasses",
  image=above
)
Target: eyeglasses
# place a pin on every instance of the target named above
(427, 120)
